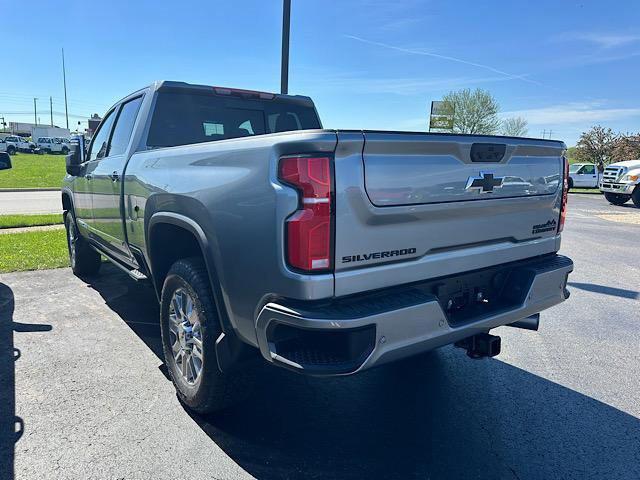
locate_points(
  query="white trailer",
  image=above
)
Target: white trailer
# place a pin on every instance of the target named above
(43, 131)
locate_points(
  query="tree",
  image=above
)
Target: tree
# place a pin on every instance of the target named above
(473, 111)
(571, 155)
(627, 147)
(515, 127)
(596, 145)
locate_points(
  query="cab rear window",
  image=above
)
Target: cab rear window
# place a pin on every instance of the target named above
(186, 118)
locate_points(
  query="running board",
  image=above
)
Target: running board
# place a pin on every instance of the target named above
(136, 274)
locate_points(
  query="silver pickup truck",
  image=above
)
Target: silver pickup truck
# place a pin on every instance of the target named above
(326, 252)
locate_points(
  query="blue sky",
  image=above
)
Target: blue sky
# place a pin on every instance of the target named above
(563, 65)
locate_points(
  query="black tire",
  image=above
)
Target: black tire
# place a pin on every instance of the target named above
(616, 198)
(65, 151)
(83, 259)
(212, 389)
(11, 150)
(635, 196)
(570, 182)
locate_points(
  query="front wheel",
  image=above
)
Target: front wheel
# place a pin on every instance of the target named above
(570, 182)
(65, 150)
(616, 198)
(11, 150)
(83, 259)
(635, 196)
(190, 327)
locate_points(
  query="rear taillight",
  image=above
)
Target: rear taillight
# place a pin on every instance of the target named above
(565, 194)
(309, 231)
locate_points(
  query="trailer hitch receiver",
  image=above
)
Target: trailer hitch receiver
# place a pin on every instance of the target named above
(481, 345)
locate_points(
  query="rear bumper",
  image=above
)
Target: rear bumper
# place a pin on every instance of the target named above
(352, 334)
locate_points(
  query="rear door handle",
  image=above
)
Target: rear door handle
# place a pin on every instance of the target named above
(114, 176)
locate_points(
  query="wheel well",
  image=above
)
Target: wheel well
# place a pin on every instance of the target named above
(66, 202)
(169, 243)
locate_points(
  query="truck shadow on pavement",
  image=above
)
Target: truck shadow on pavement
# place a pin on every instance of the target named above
(440, 415)
(606, 290)
(11, 426)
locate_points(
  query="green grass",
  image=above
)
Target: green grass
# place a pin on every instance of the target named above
(34, 171)
(585, 190)
(15, 221)
(33, 251)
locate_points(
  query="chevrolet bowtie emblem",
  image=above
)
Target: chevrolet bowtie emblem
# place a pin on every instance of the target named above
(485, 183)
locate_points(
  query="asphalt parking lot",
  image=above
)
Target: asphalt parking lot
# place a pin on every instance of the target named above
(82, 385)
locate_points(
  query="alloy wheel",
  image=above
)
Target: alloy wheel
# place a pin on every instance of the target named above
(185, 336)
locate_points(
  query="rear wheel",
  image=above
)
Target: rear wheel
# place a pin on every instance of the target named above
(616, 198)
(11, 150)
(570, 182)
(190, 327)
(65, 150)
(83, 259)
(635, 196)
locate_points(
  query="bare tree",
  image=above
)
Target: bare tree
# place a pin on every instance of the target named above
(473, 112)
(627, 147)
(596, 145)
(515, 127)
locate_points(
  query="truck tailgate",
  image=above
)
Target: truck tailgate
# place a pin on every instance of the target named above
(413, 206)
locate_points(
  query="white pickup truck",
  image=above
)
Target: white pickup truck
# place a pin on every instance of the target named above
(54, 145)
(620, 182)
(13, 144)
(584, 175)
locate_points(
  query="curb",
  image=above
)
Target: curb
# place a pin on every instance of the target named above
(33, 228)
(48, 189)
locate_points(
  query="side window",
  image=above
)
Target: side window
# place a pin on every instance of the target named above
(212, 128)
(588, 170)
(99, 144)
(124, 126)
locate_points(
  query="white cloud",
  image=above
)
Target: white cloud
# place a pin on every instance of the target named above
(602, 40)
(573, 113)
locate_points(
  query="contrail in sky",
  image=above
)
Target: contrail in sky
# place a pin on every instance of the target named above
(444, 57)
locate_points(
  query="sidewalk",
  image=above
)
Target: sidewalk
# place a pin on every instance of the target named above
(30, 202)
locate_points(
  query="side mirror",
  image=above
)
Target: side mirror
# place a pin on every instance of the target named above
(76, 158)
(5, 161)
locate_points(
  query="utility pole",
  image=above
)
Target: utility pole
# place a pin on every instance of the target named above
(35, 111)
(286, 27)
(51, 109)
(64, 80)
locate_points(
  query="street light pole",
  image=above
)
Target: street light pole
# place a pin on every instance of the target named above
(35, 111)
(286, 26)
(64, 80)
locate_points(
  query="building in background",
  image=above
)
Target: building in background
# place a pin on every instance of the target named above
(93, 122)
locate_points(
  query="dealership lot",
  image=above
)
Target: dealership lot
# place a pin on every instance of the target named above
(90, 400)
